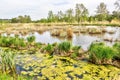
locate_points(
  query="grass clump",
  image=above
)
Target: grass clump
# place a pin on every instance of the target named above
(101, 54)
(7, 61)
(117, 47)
(64, 46)
(16, 42)
(49, 48)
(31, 39)
(75, 50)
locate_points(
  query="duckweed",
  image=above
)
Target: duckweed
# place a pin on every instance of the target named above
(63, 68)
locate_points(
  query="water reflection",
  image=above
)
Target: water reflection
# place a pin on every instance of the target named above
(83, 39)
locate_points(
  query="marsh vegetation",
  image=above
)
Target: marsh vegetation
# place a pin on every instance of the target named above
(69, 45)
(27, 57)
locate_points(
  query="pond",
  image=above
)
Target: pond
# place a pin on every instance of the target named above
(83, 39)
(44, 67)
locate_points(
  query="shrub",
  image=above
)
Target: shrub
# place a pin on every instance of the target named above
(101, 54)
(64, 46)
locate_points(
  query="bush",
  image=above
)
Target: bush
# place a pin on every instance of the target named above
(101, 54)
(64, 46)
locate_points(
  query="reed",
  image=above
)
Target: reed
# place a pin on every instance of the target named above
(7, 61)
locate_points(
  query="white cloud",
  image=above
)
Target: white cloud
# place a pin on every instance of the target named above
(39, 8)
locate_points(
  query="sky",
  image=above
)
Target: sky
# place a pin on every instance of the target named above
(38, 9)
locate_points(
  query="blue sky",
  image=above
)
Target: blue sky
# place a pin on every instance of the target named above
(39, 8)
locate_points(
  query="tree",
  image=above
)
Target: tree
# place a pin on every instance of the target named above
(21, 19)
(116, 12)
(69, 15)
(81, 12)
(60, 16)
(50, 16)
(14, 20)
(117, 4)
(102, 12)
(27, 19)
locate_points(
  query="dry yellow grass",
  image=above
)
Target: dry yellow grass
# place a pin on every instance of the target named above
(69, 33)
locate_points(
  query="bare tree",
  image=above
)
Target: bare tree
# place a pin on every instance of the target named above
(117, 4)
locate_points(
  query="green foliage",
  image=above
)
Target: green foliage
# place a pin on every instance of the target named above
(74, 55)
(117, 47)
(38, 45)
(99, 53)
(48, 48)
(21, 19)
(16, 42)
(19, 42)
(31, 39)
(76, 48)
(64, 46)
(7, 61)
(102, 12)
(81, 12)
(76, 51)
(96, 44)
(9, 77)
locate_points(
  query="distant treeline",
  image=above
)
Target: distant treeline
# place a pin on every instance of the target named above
(77, 15)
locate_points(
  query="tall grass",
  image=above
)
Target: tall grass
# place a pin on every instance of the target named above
(7, 61)
(16, 42)
(117, 47)
(9, 77)
(49, 48)
(101, 54)
(64, 46)
(31, 39)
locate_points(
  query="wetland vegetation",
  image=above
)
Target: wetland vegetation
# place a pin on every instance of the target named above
(70, 45)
